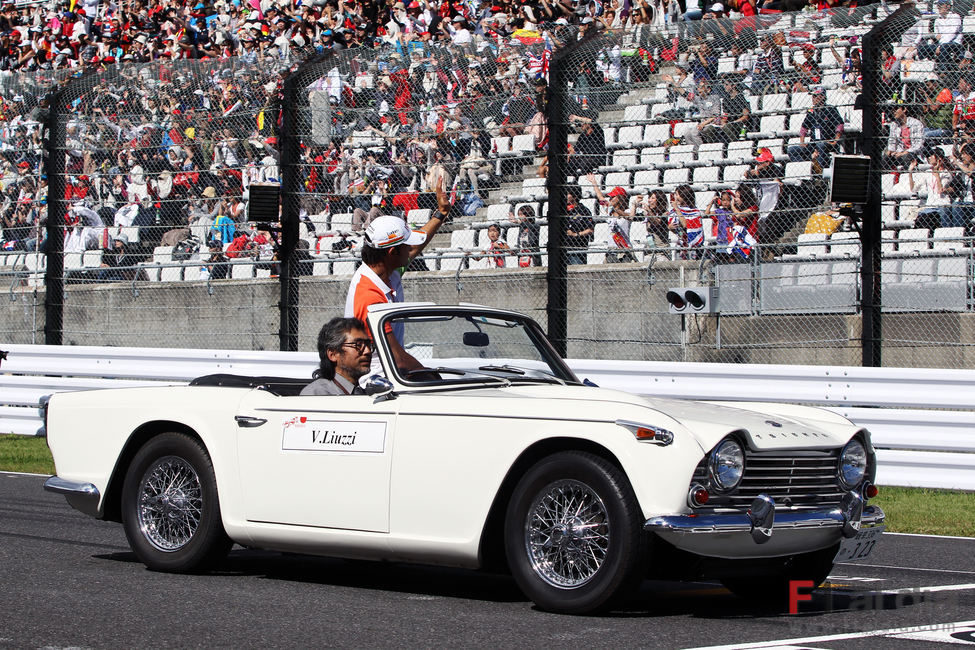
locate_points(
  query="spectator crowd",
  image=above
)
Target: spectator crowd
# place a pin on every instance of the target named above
(180, 104)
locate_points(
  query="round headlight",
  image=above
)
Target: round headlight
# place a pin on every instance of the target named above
(727, 465)
(853, 464)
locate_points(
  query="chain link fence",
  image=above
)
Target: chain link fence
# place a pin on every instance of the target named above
(660, 192)
(24, 100)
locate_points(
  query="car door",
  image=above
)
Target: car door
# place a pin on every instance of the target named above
(320, 460)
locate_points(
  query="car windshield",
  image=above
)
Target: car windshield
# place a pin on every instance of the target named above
(471, 347)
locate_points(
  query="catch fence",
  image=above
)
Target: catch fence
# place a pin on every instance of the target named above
(588, 175)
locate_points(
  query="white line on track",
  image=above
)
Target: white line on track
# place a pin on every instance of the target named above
(905, 568)
(779, 643)
(929, 536)
(23, 474)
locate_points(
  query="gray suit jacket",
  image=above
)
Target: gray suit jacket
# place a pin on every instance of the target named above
(322, 387)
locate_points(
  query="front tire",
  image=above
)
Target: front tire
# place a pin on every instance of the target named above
(170, 506)
(573, 534)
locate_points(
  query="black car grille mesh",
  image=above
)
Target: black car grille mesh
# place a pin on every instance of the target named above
(797, 480)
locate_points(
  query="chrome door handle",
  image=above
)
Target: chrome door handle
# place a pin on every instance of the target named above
(248, 422)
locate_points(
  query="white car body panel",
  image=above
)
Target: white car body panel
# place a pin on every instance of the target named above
(414, 476)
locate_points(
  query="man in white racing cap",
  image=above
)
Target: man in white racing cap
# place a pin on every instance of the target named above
(389, 246)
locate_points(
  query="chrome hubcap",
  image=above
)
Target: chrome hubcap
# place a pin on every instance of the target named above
(567, 534)
(170, 503)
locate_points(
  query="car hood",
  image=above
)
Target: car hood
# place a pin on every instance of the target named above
(766, 425)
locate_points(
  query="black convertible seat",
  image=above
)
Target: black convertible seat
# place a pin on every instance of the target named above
(277, 385)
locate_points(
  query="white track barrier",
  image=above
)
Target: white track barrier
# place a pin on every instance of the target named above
(922, 420)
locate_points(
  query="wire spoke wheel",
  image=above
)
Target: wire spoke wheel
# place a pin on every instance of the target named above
(170, 503)
(567, 534)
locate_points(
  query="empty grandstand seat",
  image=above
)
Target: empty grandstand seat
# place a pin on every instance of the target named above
(653, 156)
(646, 179)
(677, 176)
(798, 171)
(635, 113)
(655, 134)
(630, 135)
(809, 246)
(341, 221)
(844, 244)
(498, 212)
(321, 267)
(801, 100)
(888, 243)
(775, 145)
(463, 239)
(681, 129)
(775, 103)
(524, 143)
(73, 261)
(241, 271)
(740, 150)
(92, 259)
(151, 270)
(925, 283)
(913, 241)
(795, 123)
(501, 144)
(534, 187)
(705, 175)
(625, 157)
(609, 136)
(614, 179)
(711, 151)
(161, 254)
(949, 240)
(683, 153)
(171, 273)
(735, 173)
(419, 215)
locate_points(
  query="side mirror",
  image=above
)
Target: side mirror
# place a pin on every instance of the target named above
(378, 385)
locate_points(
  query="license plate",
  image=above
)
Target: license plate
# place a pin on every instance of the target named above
(857, 548)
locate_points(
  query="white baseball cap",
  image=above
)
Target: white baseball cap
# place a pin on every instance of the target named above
(388, 231)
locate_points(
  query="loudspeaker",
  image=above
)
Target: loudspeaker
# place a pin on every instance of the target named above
(262, 206)
(851, 175)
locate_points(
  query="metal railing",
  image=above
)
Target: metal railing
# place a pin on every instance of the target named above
(921, 419)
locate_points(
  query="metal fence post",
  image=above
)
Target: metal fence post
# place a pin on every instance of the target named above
(290, 182)
(55, 124)
(871, 298)
(558, 141)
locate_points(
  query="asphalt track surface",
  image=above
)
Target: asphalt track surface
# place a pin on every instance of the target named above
(69, 581)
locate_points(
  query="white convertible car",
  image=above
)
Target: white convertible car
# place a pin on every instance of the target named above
(497, 458)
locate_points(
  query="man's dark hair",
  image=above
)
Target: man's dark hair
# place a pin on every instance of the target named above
(331, 337)
(372, 255)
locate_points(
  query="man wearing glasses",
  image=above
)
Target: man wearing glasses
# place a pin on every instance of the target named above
(345, 353)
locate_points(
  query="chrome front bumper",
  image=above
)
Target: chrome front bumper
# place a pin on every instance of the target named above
(761, 520)
(83, 497)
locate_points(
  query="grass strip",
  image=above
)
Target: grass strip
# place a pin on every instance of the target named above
(25, 454)
(909, 510)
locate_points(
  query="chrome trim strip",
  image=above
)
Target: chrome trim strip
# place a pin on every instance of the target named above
(740, 523)
(80, 496)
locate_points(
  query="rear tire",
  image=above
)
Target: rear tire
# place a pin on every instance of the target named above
(573, 534)
(170, 506)
(773, 589)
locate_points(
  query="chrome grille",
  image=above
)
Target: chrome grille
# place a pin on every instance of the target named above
(798, 479)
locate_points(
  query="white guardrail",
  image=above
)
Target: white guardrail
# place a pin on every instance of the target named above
(922, 420)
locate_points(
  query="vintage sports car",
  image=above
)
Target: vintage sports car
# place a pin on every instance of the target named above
(496, 457)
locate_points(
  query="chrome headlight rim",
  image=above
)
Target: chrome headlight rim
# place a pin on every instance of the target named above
(718, 479)
(863, 465)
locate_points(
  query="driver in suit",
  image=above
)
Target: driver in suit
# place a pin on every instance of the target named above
(345, 353)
